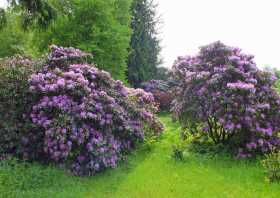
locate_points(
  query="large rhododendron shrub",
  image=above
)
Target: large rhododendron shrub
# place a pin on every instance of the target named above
(224, 95)
(162, 92)
(14, 101)
(83, 118)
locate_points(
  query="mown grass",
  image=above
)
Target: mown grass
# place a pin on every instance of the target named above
(148, 174)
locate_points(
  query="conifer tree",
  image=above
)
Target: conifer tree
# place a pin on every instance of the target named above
(145, 44)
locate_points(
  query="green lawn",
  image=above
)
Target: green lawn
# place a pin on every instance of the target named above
(148, 174)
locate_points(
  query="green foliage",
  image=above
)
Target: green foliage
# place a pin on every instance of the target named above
(276, 72)
(178, 152)
(3, 19)
(99, 27)
(271, 163)
(149, 142)
(34, 12)
(277, 84)
(96, 26)
(12, 38)
(162, 73)
(204, 147)
(144, 56)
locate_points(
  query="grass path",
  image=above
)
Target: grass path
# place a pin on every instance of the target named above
(150, 174)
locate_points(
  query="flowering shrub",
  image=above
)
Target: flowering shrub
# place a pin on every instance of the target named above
(145, 103)
(84, 119)
(162, 92)
(14, 74)
(224, 94)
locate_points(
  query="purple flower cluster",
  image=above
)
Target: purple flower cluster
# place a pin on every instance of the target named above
(86, 120)
(242, 86)
(151, 85)
(142, 97)
(222, 89)
(60, 53)
(19, 60)
(145, 103)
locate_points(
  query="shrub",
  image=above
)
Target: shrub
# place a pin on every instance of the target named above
(82, 118)
(162, 92)
(178, 152)
(223, 94)
(271, 164)
(204, 148)
(14, 74)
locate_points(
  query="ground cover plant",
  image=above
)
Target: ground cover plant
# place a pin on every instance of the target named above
(223, 95)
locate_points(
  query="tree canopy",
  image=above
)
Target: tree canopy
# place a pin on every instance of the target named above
(32, 12)
(145, 44)
(96, 26)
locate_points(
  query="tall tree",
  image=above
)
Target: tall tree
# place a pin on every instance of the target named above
(13, 39)
(145, 44)
(96, 26)
(38, 12)
(3, 18)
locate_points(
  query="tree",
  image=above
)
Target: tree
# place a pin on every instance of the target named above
(96, 26)
(13, 40)
(162, 73)
(276, 72)
(222, 91)
(145, 45)
(3, 18)
(39, 12)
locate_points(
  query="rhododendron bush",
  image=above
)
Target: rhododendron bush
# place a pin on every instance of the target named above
(82, 118)
(224, 95)
(162, 91)
(14, 74)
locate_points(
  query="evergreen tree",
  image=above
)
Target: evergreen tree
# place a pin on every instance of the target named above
(145, 44)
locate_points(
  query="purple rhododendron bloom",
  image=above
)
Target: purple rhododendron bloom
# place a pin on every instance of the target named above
(85, 119)
(222, 88)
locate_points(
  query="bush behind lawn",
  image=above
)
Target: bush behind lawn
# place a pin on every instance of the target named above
(72, 114)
